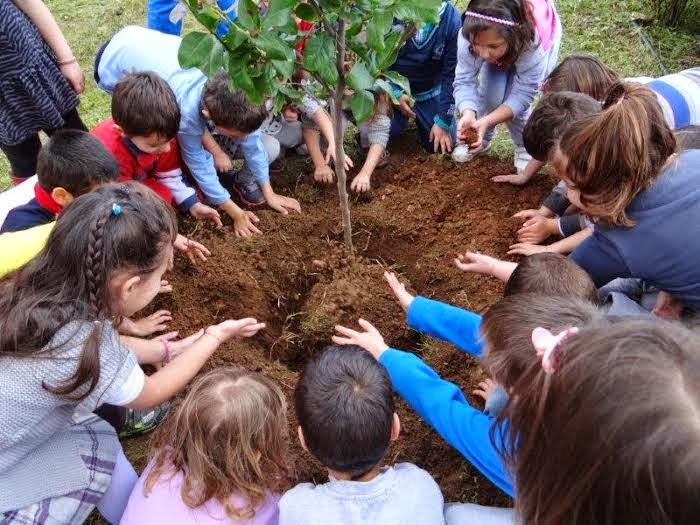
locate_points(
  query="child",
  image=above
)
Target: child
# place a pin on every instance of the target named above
(428, 61)
(141, 136)
(205, 105)
(593, 440)
(40, 79)
(70, 164)
(220, 457)
(104, 260)
(440, 403)
(345, 409)
(513, 45)
(622, 170)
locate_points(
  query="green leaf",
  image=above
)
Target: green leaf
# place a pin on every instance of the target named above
(399, 80)
(382, 85)
(273, 47)
(278, 13)
(238, 73)
(359, 78)
(357, 46)
(208, 17)
(306, 12)
(319, 57)
(248, 15)
(388, 56)
(235, 36)
(292, 94)
(284, 67)
(361, 104)
(377, 27)
(202, 50)
(419, 11)
(353, 23)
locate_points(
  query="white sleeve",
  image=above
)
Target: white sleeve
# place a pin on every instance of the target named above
(174, 182)
(130, 390)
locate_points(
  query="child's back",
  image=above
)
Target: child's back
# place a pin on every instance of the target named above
(345, 407)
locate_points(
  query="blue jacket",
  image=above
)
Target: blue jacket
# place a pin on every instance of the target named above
(662, 248)
(26, 216)
(428, 60)
(440, 403)
(139, 49)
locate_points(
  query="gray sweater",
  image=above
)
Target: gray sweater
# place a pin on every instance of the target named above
(39, 447)
(401, 495)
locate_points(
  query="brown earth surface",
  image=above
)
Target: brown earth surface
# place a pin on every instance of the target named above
(297, 278)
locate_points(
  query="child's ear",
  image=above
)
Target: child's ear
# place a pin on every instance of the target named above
(119, 129)
(302, 441)
(62, 196)
(395, 427)
(205, 112)
(128, 287)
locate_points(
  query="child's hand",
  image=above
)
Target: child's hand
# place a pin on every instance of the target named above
(330, 157)
(156, 322)
(74, 75)
(361, 182)
(244, 224)
(370, 339)
(222, 332)
(191, 248)
(323, 174)
(524, 248)
(404, 106)
(202, 212)
(222, 162)
(465, 122)
(441, 139)
(475, 263)
(537, 229)
(290, 114)
(667, 307)
(481, 126)
(402, 295)
(283, 204)
(165, 287)
(486, 388)
(178, 347)
(516, 179)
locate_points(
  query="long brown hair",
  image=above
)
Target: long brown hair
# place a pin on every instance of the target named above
(228, 436)
(520, 37)
(581, 74)
(612, 436)
(69, 279)
(614, 155)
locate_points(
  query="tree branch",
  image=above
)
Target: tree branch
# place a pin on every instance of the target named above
(326, 24)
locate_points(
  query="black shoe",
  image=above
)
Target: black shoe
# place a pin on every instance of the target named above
(247, 189)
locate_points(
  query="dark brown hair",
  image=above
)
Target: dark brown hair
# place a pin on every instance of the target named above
(553, 115)
(143, 104)
(612, 436)
(69, 279)
(229, 108)
(520, 37)
(228, 436)
(614, 155)
(507, 327)
(75, 161)
(345, 407)
(581, 74)
(551, 274)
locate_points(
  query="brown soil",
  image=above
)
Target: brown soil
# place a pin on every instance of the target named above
(297, 279)
(471, 136)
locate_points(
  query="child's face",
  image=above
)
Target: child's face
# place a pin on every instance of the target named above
(489, 45)
(153, 144)
(135, 292)
(560, 163)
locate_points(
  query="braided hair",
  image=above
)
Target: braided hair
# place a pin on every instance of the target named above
(115, 228)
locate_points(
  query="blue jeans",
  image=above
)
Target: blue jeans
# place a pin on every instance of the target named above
(425, 111)
(158, 16)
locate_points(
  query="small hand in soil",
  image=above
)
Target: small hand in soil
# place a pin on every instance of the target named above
(441, 139)
(243, 224)
(283, 204)
(156, 322)
(475, 263)
(361, 182)
(165, 287)
(405, 299)
(323, 174)
(486, 388)
(191, 248)
(203, 212)
(466, 134)
(330, 157)
(222, 162)
(404, 107)
(178, 347)
(524, 215)
(524, 248)
(516, 179)
(537, 229)
(247, 327)
(370, 339)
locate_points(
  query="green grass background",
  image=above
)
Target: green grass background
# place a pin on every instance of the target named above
(601, 27)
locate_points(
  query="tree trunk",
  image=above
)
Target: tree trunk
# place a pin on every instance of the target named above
(337, 114)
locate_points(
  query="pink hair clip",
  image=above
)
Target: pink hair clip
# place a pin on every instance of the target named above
(493, 19)
(546, 345)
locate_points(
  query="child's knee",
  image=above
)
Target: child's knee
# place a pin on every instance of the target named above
(272, 147)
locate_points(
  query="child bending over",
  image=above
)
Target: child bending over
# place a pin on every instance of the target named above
(103, 260)
(345, 409)
(219, 457)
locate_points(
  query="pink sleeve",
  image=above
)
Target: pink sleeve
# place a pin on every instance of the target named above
(545, 15)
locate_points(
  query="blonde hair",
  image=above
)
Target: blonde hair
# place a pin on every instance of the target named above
(228, 436)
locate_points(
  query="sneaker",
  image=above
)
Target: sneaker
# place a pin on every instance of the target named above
(246, 187)
(139, 422)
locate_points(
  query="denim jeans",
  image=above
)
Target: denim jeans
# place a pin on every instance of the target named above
(425, 111)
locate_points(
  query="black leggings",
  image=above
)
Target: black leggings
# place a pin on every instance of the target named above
(23, 156)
